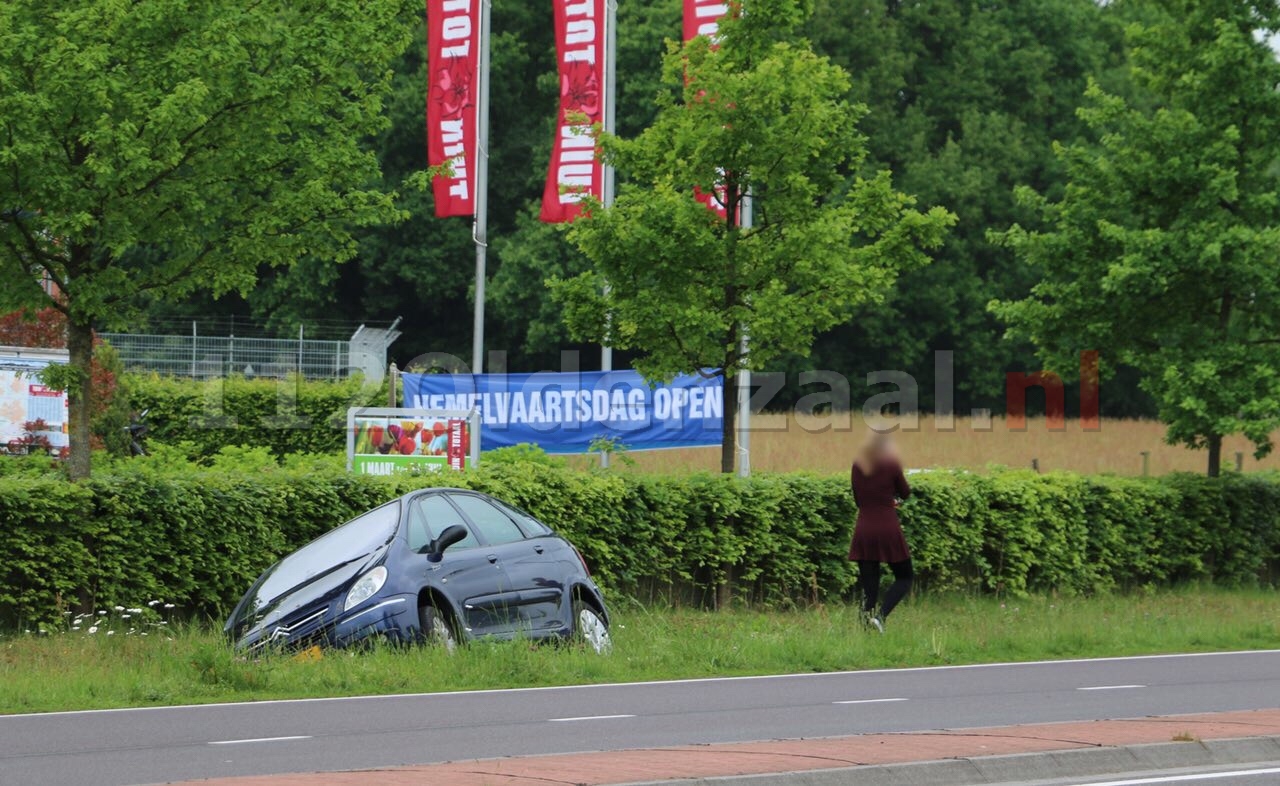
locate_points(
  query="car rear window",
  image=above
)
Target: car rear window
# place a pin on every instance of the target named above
(495, 526)
(531, 526)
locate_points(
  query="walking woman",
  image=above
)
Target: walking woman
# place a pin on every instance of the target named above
(878, 485)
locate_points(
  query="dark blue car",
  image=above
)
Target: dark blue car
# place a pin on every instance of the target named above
(441, 565)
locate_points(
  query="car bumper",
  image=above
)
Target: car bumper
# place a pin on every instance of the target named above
(394, 617)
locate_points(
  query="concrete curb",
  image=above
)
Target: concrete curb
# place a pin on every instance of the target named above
(1021, 767)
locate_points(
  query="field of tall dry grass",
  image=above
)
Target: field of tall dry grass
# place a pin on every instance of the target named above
(786, 442)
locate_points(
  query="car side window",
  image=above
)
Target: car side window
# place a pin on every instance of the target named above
(496, 526)
(429, 516)
(531, 526)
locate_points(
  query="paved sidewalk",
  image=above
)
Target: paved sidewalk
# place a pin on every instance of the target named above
(754, 758)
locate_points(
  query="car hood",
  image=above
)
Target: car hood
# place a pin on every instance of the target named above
(259, 611)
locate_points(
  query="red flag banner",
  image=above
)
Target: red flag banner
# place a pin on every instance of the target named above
(702, 17)
(575, 172)
(453, 58)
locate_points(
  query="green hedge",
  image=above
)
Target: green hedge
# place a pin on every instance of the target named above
(199, 540)
(286, 416)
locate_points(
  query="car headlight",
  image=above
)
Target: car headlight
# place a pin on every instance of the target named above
(365, 587)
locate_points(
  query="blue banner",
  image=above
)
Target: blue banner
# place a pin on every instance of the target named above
(565, 412)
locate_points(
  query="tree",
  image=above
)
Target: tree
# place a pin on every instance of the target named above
(1161, 253)
(765, 116)
(965, 100)
(162, 147)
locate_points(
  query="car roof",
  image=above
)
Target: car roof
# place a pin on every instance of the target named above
(437, 490)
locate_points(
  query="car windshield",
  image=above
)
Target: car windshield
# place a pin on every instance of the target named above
(352, 541)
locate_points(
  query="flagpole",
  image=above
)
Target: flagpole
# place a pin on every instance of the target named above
(744, 375)
(607, 175)
(480, 232)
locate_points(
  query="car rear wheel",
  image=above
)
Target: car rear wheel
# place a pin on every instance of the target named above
(590, 628)
(436, 628)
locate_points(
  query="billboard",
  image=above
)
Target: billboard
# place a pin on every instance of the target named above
(386, 441)
(566, 412)
(24, 399)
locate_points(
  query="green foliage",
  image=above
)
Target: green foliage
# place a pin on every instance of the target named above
(965, 100)
(284, 416)
(767, 116)
(164, 147)
(112, 413)
(760, 115)
(198, 538)
(1160, 250)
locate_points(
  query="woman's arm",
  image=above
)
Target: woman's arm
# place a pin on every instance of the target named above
(900, 485)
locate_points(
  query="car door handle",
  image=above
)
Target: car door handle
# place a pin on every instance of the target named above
(539, 549)
(493, 558)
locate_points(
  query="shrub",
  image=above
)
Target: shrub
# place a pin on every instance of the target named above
(156, 530)
(283, 416)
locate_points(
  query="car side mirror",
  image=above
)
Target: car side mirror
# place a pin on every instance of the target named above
(454, 533)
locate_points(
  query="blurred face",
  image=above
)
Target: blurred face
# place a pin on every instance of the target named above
(882, 448)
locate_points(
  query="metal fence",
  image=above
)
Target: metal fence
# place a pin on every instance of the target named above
(210, 357)
(213, 349)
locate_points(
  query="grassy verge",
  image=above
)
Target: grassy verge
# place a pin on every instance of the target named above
(64, 671)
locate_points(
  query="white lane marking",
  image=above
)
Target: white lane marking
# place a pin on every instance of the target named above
(695, 681)
(261, 739)
(1205, 776)
(587, 718)
(868, 701)
(1113, 687)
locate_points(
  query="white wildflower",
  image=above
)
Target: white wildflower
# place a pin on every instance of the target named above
(93, 629)
(134, 611)
(119, 608)
(153, 603)
(169, 606)
(111, 633)
(102, 614)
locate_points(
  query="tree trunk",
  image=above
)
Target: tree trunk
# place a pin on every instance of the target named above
(79, 396)
(1215, 455)
(729, 450)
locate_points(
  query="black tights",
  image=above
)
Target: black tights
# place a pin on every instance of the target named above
(869, 585)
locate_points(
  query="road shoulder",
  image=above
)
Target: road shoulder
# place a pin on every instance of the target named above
(942, 756)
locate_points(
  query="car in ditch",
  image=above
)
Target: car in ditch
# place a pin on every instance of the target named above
(437, 565)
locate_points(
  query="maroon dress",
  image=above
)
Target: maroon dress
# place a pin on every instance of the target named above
(877, 534)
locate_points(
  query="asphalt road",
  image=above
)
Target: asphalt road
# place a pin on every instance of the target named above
(1254, 775)
(157, 745)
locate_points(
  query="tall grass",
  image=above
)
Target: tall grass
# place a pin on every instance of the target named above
(65, 670)
(787, 443)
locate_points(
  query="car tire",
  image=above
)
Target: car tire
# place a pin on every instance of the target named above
(436, 628)
(590, 629)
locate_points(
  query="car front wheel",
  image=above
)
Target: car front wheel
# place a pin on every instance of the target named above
(590, 628)
(436, 629)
